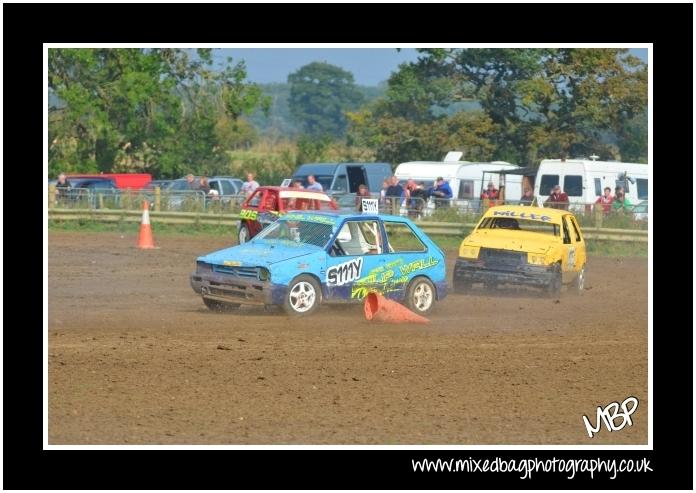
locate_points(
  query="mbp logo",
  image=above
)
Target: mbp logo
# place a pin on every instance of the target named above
(609, 414)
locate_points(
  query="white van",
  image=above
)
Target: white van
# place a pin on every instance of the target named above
(467, 179)
(584, 179)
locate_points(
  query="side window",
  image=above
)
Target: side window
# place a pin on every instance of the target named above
(642, 186)
(270, 203)
(566, 233)
(227, 188)
(466, 189)
(255, 199)
(401, 238)
(576, 230)
(598, 187)
(547, 183)
(572, 185)
(341, 183)
(215, 185)
(357, 238)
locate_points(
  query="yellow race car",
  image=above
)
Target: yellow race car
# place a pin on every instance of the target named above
(522, 245)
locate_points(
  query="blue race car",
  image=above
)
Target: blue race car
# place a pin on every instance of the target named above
(308, 258)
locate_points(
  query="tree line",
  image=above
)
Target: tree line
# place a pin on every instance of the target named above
(168, 112)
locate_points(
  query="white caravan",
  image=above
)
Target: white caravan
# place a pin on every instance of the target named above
(584, 179)
(467, 179)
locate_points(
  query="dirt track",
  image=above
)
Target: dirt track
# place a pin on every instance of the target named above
(136, 358)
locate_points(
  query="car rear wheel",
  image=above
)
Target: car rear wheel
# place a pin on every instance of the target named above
(553, 289)
(303, 297)
(420, 296)
(220, 306)
(243, 235)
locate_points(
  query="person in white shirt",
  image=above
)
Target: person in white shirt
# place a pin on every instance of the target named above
(314, 184)
(250, 185)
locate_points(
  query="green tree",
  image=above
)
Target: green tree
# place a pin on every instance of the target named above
(320, 94)
(538, 102)
(150, 110)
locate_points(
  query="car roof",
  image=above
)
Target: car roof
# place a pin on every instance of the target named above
(554, 214)
(344, 215)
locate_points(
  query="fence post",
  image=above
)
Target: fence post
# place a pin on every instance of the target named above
(157, 198)
(51, 196)
(100, 198)
(598, 217)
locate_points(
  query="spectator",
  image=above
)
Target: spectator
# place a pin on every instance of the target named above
(363, 193)
(527, 197)
(606, 201)
(313, 184)
(491, 193)
(297, 184)
(394, 195)
(383, 192)
(442, 193)
(191, 180)
(250, 185)
(620, 203)
(419, 197)
(557, 199)
(203, 185)
(62, 187)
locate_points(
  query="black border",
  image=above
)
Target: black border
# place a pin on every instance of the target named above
(27, 26)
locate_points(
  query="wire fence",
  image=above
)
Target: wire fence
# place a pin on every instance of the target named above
(632, 217)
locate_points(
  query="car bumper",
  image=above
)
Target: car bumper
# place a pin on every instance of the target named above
(234, 290)
(468, 271)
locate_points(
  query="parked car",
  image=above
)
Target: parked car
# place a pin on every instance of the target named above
(523, 245)
(87, 191)
(263, 207)
(339, 178)
(305, 259)
(640, 211)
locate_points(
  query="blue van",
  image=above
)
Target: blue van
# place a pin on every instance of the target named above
(345, 177)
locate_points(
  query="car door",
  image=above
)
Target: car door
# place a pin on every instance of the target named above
(355, 264)
(578, 243)
(569, 255)
(406, 257)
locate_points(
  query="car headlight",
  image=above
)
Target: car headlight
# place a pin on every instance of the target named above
(264, 274)
(469, 251)
(535, 259)
(203, 267)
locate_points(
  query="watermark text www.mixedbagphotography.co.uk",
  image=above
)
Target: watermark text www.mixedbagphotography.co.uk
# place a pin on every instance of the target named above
(527, 467)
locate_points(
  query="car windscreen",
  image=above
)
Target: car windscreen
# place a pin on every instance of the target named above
(515, 224)
(296, 233)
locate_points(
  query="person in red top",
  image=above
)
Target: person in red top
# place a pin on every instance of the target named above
(491, 193)
(557, 199)
(606, 201)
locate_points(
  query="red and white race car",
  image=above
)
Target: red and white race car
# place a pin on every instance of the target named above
(266, 204)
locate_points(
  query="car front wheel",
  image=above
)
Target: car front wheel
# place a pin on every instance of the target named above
(243, 235)
(420, 296)
(579, 283)
(303, 297)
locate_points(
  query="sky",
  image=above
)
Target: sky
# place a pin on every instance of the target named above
(369, 66)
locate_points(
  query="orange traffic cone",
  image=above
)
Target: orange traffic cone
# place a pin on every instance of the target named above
(378, 308)
(145, 240)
